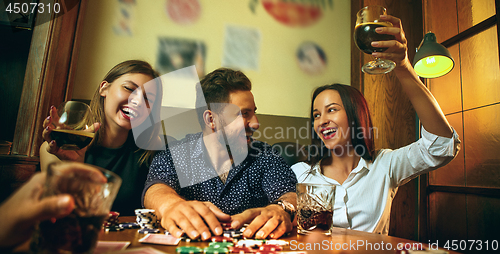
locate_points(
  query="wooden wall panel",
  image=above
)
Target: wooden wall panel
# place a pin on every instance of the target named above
(28, 107)
(448, 89)
(446, 25)
(452, 174)
(47, 82)
(472, 12)
(447, 217)
(14, 171)
(480, 72)
(483, 220)
(46, 79)
(482, 143)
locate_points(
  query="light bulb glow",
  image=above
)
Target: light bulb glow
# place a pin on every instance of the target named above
(430, 60)
(433, 66)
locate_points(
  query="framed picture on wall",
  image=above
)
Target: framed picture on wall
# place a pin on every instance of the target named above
(18, 13)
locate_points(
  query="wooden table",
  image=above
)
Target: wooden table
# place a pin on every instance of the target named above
(341, 241)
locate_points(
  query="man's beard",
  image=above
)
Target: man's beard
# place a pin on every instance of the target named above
(236, 148)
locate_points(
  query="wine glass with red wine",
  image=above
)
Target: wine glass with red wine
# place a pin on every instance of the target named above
(367, 20)
(71, 132)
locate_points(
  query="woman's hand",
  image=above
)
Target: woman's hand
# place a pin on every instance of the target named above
(397, 50)
(51, 123)
(426, 106)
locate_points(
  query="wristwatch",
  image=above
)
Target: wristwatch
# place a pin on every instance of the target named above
(288, 207)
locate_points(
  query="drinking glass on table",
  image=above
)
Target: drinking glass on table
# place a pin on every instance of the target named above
(71, 132)
(93, 189)
(367, 20)
(315, 208)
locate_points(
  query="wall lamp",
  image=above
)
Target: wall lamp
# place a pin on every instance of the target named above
(432, 59)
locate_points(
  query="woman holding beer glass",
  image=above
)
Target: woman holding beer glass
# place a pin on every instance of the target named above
(367, 180)
(129, 93)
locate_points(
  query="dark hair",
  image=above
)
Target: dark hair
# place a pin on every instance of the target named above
(360, 123)
(215, 89)
(97, 102)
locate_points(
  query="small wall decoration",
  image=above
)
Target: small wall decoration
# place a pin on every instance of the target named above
(296, 13)
(183, 12)
(124, 16)
(311, 58)
(241, 48)
(176, 53)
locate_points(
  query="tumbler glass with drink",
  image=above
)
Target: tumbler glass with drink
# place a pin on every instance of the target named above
(315, 207)
(367, 20)
(71, 132)
(94, 190)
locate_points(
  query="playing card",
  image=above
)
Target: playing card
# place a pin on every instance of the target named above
(109, 246)
(160, 239)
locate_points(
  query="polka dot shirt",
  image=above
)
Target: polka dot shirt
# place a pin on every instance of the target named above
(260, 179)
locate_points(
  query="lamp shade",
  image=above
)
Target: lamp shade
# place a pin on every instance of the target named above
(432, 59)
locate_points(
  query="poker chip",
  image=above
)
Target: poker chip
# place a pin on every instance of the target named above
(277, 242)
(241, 250)
(129, 225)
(250, 243)
(146, 218)
(188, 250)
(265, 252)
(148, 231)
(232, 233)
(144, 211)
(270, 247)
(226, 224)
(220, 244)
(212, 250)
(113, 228)
(188, 240)
(112, 219)
(149, 225)
(221, 239)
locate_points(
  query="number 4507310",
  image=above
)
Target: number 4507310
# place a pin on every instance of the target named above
(30, 8)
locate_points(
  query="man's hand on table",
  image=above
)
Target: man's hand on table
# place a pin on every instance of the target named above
(195, 218)
(270, 221)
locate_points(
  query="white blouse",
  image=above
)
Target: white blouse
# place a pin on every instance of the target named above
(363, 201)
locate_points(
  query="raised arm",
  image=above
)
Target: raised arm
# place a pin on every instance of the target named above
(424, 103)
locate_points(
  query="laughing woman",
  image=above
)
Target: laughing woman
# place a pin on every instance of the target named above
(367, 180)
(129, 93)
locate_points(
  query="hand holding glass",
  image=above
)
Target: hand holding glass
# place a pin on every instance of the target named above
(93, 190)
(367, 20)
(71, 132)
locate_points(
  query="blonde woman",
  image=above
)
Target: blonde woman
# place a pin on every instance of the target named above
(126, 97)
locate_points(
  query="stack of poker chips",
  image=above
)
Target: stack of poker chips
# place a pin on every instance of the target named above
(188, 250)
(146, 218)
(218, 247)
(111, 223)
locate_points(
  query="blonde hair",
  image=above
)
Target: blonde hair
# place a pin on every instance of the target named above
(97, 104)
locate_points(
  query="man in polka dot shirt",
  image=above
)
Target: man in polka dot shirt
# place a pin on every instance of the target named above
(222, 174)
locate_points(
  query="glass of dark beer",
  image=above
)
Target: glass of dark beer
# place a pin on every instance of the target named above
(93, 189)
(367, 20)
(315, 208)
(72, 132)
